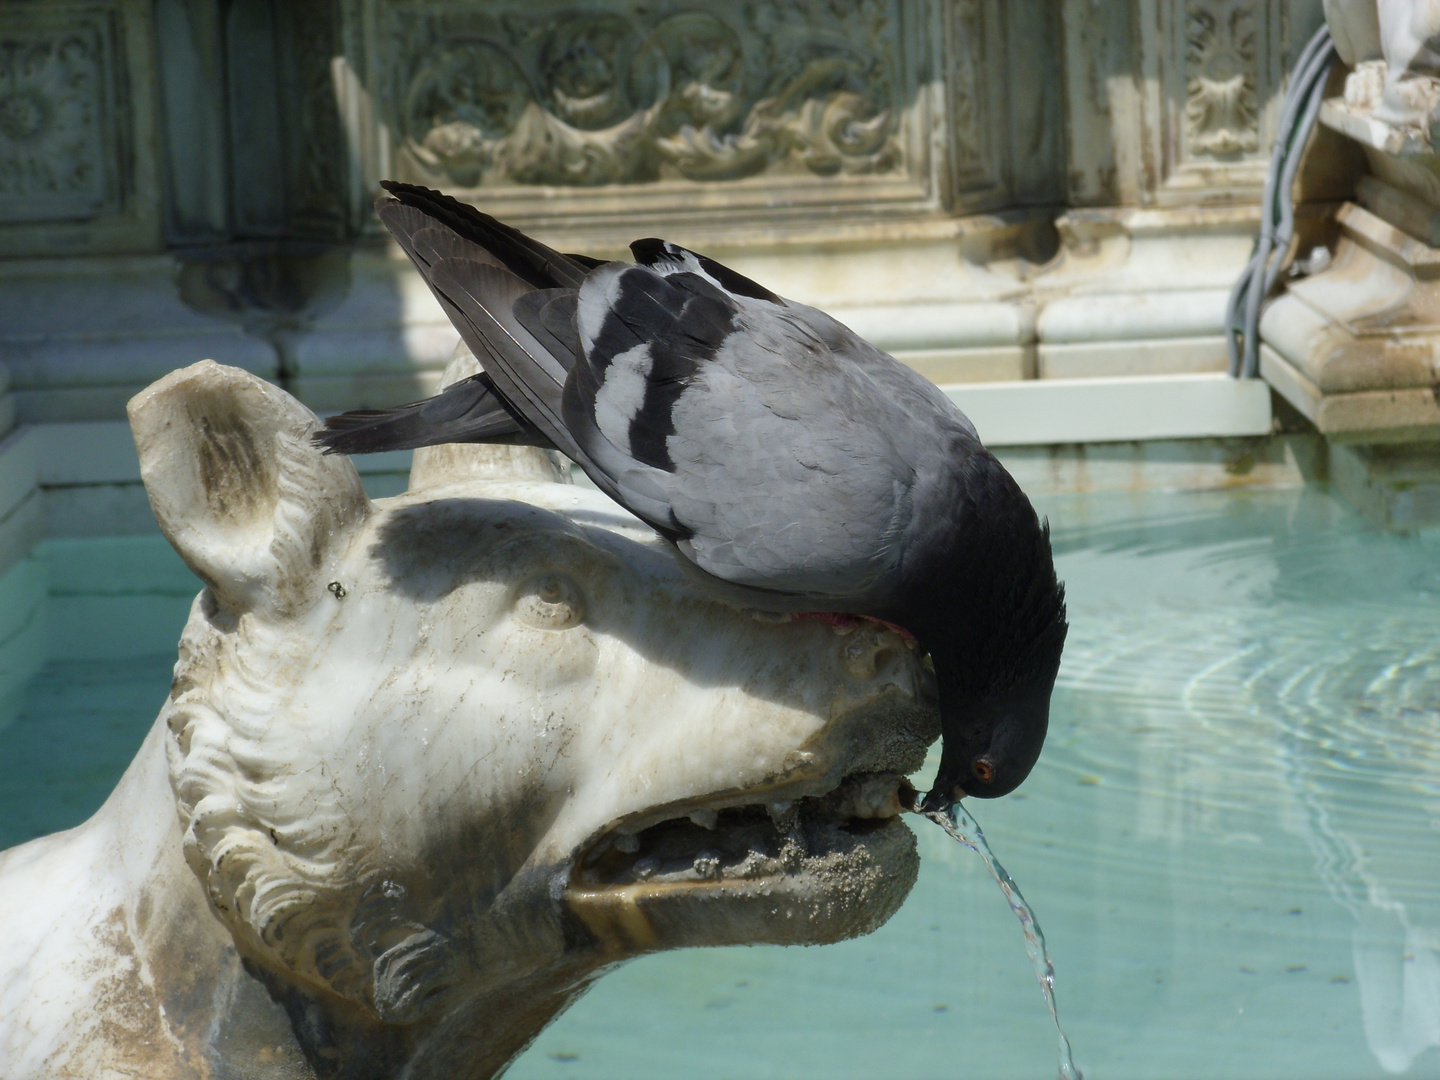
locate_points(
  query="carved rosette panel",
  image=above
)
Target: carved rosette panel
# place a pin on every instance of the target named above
(56, 159)
(1221, 76)
(1222, 114)
(519, 98)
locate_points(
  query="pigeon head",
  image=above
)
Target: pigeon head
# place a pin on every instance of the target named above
(990, 746)
(994, 623)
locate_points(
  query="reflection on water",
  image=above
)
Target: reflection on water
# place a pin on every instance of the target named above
(1233, 837)
(961, 826)
(1285, 682)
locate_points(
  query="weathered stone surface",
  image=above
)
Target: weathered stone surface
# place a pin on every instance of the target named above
(77, 173)
(1359, 416)
(848, 153)
(747, 110)
(1396, 487)
(385, 822)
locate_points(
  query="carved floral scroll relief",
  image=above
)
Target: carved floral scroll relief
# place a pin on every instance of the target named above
(522, 96)
(1222, 67)
(52, 104)
(1222, 114)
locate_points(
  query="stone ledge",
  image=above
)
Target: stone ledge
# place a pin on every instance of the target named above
(108, 321)
(1025, 412)
(18, 470)
(1267, 461)
(1336, 361)
(1364, 416)
(1000, 363)
(20, 530)
(1118, 409)
(73, 479)
(103, 452)
(1159, 356)
(1366, 129)
(1099, 317)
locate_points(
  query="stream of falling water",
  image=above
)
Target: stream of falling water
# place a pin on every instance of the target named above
(956, 821)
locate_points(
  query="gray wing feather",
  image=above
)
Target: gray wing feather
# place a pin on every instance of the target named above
(522, 369)
(430, 245)
(898, 381)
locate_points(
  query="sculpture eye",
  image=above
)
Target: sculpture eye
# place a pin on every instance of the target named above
(550, 602)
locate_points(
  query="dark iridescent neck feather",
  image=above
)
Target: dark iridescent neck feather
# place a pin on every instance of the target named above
(987, 598)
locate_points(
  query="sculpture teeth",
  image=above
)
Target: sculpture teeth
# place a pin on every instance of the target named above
(706, 819)
(875, 796)
(627, 843)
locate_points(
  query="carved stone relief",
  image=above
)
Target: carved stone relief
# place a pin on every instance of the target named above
(77, 164)
(603, 98)
(1222, 113)
(1209, 122)
(793, 101)
(969, 118)
(55, 156)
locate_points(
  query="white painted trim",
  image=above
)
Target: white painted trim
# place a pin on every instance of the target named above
(1121, 408)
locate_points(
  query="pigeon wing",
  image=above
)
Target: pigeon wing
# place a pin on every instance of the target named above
(484, 273)
(769, 459)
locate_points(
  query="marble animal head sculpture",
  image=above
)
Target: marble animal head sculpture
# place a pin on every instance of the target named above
(429, 765)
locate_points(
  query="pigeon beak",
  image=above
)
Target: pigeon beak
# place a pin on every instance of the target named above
(938, 800)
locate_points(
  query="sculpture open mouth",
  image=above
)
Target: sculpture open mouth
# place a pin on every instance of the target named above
(801, 871)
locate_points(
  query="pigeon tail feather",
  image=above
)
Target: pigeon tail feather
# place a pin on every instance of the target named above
(469, 411)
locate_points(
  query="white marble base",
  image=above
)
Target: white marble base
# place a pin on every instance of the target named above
(999, 363)
(1353, 347)
(1361, 416)
(1129, 292)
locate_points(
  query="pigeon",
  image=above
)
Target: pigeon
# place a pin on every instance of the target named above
(794, 465)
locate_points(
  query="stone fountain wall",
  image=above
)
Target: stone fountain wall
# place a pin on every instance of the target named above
(186, 178)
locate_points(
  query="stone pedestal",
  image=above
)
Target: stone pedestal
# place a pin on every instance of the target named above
(1356, 347)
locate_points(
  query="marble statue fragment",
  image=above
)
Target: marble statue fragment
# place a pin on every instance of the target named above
(429, 765)
(1392, 45)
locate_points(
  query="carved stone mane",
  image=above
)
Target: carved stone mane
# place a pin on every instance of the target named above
(268, 853)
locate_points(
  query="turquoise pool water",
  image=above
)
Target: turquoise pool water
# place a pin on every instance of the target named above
(1232, 840)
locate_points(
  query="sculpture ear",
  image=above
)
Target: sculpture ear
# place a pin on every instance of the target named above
(239, 490)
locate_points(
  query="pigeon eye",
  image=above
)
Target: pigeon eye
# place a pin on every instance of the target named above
(550, 602)
(983, 770)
